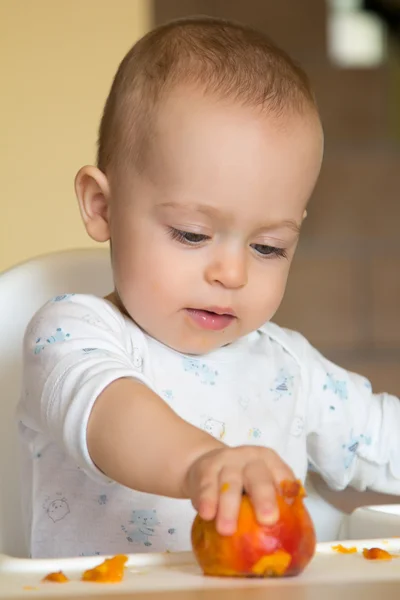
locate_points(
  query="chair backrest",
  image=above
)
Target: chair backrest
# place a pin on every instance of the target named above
(23, 290)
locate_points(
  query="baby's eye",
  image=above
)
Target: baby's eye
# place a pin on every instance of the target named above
(268, 251)
(188, 237)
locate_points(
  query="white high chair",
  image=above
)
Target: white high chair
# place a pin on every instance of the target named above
(23, 289)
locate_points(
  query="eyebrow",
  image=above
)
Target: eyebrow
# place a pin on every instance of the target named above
(287, 223)
(203, 208)
(215, 212)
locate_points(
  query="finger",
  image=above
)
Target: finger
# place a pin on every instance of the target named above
(279, 470)
(206, 498)
(230, 493)
(261, 487)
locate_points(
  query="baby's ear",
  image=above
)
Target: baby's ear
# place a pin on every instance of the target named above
(93, 193)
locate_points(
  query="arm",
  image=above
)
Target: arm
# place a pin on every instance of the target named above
(85, 393)
(136, 439)
(353, 433)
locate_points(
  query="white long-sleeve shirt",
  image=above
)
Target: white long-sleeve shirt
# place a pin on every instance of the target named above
(269, 388)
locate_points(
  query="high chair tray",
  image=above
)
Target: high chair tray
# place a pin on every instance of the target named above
(178, 571)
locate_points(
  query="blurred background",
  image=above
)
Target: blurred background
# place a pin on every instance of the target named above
(58, 59)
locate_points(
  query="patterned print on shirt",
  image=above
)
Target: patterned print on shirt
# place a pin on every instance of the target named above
(58, 336)
(336, 386)
(215, 428)
(56, 509)
(283, 384)
(144, 523)
(206, 374)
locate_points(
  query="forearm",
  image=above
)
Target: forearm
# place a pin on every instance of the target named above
(136, 439)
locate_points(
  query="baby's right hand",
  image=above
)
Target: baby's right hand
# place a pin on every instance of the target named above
(215, 483)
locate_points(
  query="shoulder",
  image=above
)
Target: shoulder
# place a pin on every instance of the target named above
(79, 317)
(290, 342)
(85, 307)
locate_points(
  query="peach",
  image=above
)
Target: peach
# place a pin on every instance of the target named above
(280, 550)
(109, 571)
(376, 554)
(57, 577)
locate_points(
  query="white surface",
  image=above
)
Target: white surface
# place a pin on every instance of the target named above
(23, 290)
(373, 521)
(392, 509)
(148, 572)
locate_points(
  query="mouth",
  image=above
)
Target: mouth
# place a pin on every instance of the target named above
(220, 311)
(213, 318)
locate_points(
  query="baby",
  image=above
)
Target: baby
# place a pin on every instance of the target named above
(137, 408)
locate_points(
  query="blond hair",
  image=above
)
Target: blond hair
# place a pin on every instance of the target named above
(223, 58)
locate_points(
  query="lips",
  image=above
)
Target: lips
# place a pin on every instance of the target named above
(220, 311)
(213, 318)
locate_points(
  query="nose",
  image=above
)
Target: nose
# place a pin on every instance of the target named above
(228, 267)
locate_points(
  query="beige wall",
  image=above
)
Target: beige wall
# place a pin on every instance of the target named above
(57, 60)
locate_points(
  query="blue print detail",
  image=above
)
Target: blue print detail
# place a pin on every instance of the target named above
(367, 384)
(59, 336)
(352, 447)
(144, 522)
(62, 297)
(168, 395)
(172, 531)
(206, 374)
(283, 384)
(254, 433)
(102, 499)
(336, 386)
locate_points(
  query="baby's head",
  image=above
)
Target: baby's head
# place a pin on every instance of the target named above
(210, 146)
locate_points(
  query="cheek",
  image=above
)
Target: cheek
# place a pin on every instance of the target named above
(269, 287)
(147, 274)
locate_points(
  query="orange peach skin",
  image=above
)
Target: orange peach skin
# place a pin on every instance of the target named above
(281, 550)
(57, 577)
(109, 571)
(376, 554)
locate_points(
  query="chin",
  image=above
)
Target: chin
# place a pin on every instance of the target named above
(197, 349)
(204, 343)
